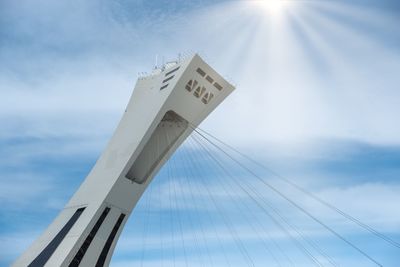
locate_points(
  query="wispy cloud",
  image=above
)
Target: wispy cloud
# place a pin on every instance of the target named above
(316, 100)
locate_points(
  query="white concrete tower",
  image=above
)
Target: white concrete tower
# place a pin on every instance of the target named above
(164, 107)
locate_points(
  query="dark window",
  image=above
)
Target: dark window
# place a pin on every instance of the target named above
(199, 91)
(45, 255)
(201, 72)
(110, 239)
(164, 86)
(209, 79)
(207, 97)
(191, 85)
(82, 250)
(218, 86)
(169, 78)
(172, 71)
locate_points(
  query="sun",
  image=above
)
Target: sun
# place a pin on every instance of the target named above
(272, 6)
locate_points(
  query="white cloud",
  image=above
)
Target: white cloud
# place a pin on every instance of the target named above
(13, 244)
(372, 203)
(279, 93)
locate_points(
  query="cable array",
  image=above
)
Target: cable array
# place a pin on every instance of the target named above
(209, 192)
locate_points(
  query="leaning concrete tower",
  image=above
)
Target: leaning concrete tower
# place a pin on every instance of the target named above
(164, 108)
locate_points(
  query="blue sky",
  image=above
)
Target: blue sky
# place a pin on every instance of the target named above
(317, 100)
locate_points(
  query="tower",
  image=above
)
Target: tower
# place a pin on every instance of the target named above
(163, 110)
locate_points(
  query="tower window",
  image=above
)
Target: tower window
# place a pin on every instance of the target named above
(218, 86)
(169, 78)
(172, 71)
(164, 86)
(45, 255)
(209, 79)
(103, 255)
(191, 85)
(167, 132)
(199, 91)
(82, 250)
(201, 72)
(207, 97)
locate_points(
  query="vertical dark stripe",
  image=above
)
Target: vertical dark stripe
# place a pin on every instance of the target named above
(172, 71)
(110, 239)
(169, 78)
(82, 250)
(45, 255)
(164, 86)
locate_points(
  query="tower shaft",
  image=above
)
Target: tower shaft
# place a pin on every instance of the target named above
(162, 111)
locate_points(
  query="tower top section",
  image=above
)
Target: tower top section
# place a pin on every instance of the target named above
(190, 73)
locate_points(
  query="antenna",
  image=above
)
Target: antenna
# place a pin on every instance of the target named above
(156, 66)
